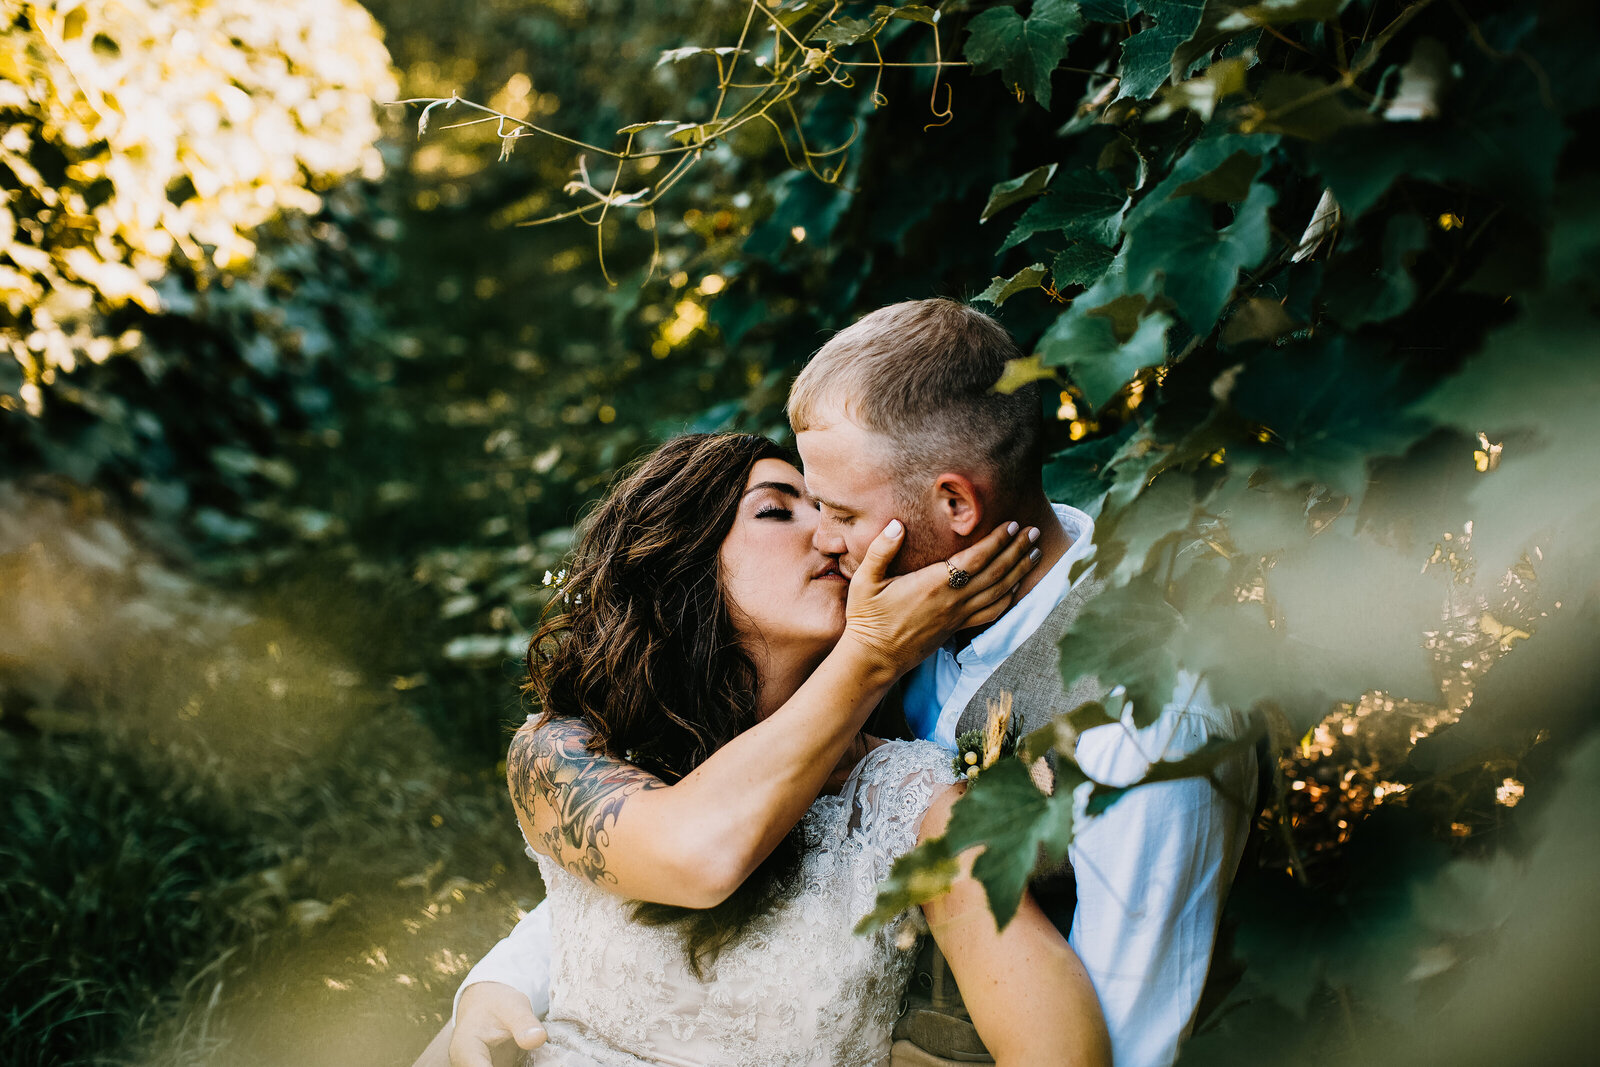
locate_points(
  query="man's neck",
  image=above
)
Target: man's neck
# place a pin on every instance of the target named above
(1053, 544)
(1053, 541)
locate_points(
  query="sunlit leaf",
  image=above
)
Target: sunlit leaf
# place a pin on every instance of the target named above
(844, 30)
(1002, 289)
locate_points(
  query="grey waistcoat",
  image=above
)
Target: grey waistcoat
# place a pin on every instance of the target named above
(935, 1019)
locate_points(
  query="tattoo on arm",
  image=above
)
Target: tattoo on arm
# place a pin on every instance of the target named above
(584, 790)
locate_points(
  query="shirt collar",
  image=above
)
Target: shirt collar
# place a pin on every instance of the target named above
(1002, 637)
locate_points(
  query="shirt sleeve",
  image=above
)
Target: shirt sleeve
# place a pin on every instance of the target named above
(521, 960)
(1153, 871)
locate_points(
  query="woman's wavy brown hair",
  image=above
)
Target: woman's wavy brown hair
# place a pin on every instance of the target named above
(641, 644)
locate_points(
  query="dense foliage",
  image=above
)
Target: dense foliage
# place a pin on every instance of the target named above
(1317, 281)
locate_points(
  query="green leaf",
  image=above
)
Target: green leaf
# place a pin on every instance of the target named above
(1147, 55)
(1198, 264)
(1257, 319)
(1297, 105)
(1006, 814)
(1203, 761)
(1236, 18)
(1223, 21)
(1351, 618)
(1081, 264)
(1086, 343)
(1535, 375)
(1125, 636)
(1202, 93)
(847, 31)
(1129, 538)
(1499, 135)
(1076, 475)
(1002, 289)
(1109, 10)
(675, 55)
(1004, 194)
(1025, 51)
(1227, 183)
(913, 12)
(1329, 407)
(922, 874)
(640, 127)
(1378, 293)
(1085, 204)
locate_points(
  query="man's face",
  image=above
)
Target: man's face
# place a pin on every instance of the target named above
(847, 472)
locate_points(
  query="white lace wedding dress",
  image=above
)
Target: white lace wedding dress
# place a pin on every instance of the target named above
(798, 988)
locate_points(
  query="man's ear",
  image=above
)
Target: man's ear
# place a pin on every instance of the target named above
(960, 502)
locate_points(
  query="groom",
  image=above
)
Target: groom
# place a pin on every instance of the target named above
(896, 416)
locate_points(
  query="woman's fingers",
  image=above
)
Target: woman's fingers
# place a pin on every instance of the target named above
(874, 567)
(991, 561)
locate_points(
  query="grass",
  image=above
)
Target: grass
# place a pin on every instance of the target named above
(228, 840)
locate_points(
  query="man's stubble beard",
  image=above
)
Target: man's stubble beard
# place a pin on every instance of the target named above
(921, 546)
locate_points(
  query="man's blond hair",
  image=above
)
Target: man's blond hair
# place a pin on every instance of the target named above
(921, 374)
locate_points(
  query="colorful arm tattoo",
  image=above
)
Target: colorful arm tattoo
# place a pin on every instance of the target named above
(584, 790)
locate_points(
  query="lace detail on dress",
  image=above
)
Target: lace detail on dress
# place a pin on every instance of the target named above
(800, 988)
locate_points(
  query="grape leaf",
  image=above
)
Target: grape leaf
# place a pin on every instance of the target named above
(1020, 372)
(1084, 204)
(1081, 264)
(846, 31)
(1002, 289)
(911, 12)
(1125, 636)
(1147, 55)
(1029, 185)
(1198, 264)
(675, 55)
(1330, 406)
(1297, 105)
(1499, 134)
(1534, 374)
(1227, 183)
(1109, 10)
(1025, 51)
(1007, 814)
(1076, 475)
(1380, 292)
(1126, 538)
(1086, 345)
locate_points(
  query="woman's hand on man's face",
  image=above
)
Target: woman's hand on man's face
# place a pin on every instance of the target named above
(901, 620)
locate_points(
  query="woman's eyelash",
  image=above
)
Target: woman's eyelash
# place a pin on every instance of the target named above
(774, 511)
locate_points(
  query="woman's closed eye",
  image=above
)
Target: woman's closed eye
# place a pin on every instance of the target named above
(774, 511)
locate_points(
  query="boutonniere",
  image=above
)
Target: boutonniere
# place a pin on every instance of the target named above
(978, 750)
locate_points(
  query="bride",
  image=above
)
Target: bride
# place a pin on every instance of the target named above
(708, 678)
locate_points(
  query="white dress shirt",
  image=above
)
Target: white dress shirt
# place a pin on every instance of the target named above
(1152, 870)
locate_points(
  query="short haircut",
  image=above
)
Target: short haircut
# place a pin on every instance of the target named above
(922, 373)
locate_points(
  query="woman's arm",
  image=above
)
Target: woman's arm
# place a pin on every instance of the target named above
(1029, 996)
(692, 843)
